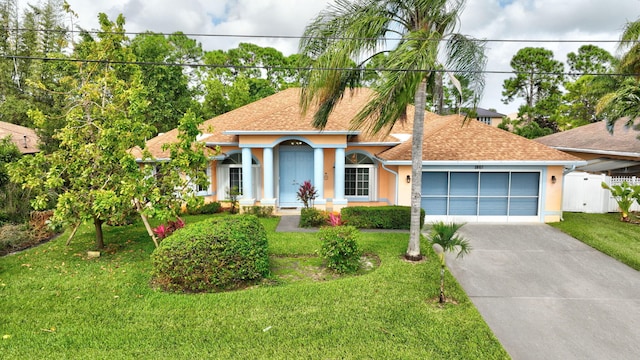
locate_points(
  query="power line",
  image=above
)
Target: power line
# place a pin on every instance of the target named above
(300, 37)
(294, 68)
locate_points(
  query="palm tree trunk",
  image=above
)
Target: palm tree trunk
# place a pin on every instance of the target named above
(413, 251)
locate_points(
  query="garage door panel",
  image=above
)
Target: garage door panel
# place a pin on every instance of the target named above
(523, 206)
(463, 206)
(463, 184)
(435, 206)
(524, 184)
(435, 183)
(493, 206)
(494, 184)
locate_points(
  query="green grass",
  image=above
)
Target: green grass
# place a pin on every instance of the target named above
(606, 233)
(57, 303)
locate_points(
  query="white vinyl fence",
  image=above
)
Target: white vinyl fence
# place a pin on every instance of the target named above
(583, 193)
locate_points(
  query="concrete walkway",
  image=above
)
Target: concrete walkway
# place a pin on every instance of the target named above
(546, 295)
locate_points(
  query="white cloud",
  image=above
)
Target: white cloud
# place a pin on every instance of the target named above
(587, 20)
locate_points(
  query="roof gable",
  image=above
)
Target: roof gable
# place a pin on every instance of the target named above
(452, 138)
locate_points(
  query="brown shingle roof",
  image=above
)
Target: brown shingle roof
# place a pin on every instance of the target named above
(450, 138)
(595, 138)
(25, 139)
(278, 113)
(445, 137)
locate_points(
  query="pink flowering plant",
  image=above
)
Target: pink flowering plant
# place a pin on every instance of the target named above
(335, 219)
(162, 231)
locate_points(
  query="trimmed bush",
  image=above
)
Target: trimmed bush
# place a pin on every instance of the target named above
(259, 211)
(379, 217)
(312, 217)
(209, 208)
(212, 255)
(340, 249)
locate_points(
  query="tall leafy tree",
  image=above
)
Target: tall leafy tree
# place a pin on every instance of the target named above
(26, 82)
(589, 80)
(590, 60)
(538, 78)
(170, 95)
(423, 33)
(243, 75)
(625, 100)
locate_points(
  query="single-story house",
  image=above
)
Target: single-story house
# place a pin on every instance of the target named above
(25, 139)
(613, 154)
(471, 171)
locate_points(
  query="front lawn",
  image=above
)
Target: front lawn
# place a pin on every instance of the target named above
(606, 233)
(57, 303)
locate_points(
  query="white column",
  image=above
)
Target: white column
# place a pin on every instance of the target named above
(247, 178)
(338, 198)
(268, 176)
(318, 175)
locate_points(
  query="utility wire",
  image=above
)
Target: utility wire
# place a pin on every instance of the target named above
(299, 37)
(295, 68)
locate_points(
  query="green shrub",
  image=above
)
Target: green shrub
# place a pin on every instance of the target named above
(209, 208)
(312, 217)
(212, 255)
(379, 217)
(259, 211)
(340, 249)
(14, 237)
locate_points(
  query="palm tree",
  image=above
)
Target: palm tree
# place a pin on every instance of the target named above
(444, 239)
(342, 39)
(625, 100)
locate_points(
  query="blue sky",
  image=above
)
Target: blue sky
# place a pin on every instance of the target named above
(585, 20)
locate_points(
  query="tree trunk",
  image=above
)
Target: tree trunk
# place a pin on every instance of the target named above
(413, 251)
(73, 233)
(97, 223)
(145, 220)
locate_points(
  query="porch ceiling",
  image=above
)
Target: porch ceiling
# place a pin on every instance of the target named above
(605, 165)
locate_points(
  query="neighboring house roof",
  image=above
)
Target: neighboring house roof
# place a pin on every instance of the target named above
(617, 152)
(451, 138)
(480, 112)
(25, 139)
(595, 139)
(446, 139)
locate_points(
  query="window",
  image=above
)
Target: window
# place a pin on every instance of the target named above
(359, 177)
(230, 176)
(484, 193)
(484, 120)
(204, 190)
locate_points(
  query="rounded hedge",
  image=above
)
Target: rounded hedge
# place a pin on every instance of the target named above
(212, 255)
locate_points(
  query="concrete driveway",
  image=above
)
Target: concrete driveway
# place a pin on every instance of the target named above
(546, 295)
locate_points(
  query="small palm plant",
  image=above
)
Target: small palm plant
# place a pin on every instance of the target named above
(625, 194)
(444, 239)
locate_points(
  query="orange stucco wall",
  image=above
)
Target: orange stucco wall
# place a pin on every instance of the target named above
(553, 201)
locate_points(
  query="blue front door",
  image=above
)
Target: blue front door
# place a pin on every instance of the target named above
(296, 167)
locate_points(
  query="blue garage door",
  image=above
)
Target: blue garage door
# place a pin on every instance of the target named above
(483, 194)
